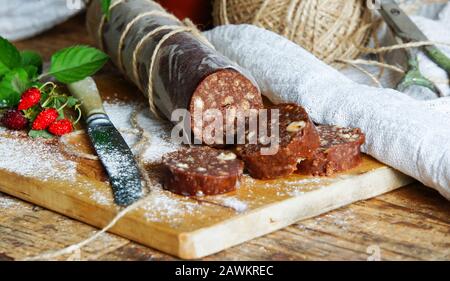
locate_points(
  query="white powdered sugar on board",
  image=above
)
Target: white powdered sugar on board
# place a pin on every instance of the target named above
(101, 198)
(119, 113)
(300, 187)
(233, 203)
(163, 206)
(295, 187)
(160, 142)
(35, 158)
(159, 130)
(342, 219)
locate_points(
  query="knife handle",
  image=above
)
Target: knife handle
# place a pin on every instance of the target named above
(87, 92)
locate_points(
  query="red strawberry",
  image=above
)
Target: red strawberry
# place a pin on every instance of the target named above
(14, 120)
(61, 127)
(30, 98)
(45, 118)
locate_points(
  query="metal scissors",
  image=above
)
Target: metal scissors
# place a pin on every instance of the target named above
(405, 31)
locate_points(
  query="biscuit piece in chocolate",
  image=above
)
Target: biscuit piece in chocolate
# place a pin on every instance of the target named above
(340, 150)
(224, 92)
(199, 171)
(298, 138)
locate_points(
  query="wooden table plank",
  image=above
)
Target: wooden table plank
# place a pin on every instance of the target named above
(401, 232)
(27, 230)
(410, 223)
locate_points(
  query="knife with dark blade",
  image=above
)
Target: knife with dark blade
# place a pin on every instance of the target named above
(111, 148)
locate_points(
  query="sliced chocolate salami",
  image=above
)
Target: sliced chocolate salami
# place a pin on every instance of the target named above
(199, 171)
(297, 138)
(340, 150)
(185, 72)
(222, 94)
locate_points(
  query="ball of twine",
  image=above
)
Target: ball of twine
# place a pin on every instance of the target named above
(332, 30)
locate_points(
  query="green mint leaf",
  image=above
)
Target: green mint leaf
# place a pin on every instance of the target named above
(8, 98)
(9, 55)
(105, 8)
(18, 80)
(3, 69)
(40, 134)
(76, 63)
(13, 84)
(32, 71)
(30, 58)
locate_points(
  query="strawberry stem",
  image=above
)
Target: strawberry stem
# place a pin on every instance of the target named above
(43, 75)
(63, 106)
(77, 108)
(41, 88)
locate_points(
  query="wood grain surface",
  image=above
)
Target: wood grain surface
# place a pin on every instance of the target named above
(412, 223)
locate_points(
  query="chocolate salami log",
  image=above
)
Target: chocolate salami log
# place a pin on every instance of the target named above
(298, 138)
(340, 150)
(199, 171)
(187, 73)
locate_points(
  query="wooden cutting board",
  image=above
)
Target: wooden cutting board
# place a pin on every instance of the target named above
(185, 227)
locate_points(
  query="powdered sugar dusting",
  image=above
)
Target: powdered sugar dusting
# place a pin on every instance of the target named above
(101, 198)
(232, 202)
(119, 113)
(159, 130)
(160, 137)
(35, 158)
(163, 206)
(342, 219)
(295, 186)
(302, 186)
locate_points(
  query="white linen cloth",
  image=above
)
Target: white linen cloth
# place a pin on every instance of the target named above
(401, 131)
(20, 19)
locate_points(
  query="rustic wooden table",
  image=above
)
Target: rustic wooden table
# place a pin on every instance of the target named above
(412, 223)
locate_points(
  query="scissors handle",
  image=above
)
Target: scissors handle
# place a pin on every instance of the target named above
(407, 30)
(438, 57)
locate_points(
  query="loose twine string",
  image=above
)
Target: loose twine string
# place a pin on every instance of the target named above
(143, 137)
(382, 65)
(329, 30)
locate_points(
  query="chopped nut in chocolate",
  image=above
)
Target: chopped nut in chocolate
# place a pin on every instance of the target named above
(340, 150)
(226, 91)
(298, 138)
(201, 171)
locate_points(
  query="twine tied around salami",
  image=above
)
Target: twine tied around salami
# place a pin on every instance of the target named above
(170, 61)
(174, 29)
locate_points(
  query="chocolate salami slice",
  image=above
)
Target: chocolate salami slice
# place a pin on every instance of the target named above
(186, 72)
(199, 171)
(298, 138)
(340, 150)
